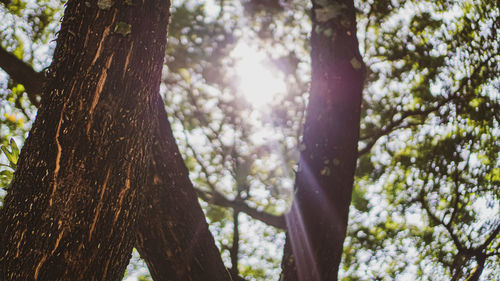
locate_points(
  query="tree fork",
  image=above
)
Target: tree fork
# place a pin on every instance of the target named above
(174, 248)
(152, 243)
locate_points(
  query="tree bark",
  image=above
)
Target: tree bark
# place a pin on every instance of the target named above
(317, 222)
(172, 220)
(72, 208)
(173, 236)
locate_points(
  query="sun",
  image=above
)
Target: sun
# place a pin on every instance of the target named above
(258, 83)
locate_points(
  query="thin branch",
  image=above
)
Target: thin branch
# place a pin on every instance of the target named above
(434, 218)
(393, 125)
(490, 239)
(218, 199)
(456, 190)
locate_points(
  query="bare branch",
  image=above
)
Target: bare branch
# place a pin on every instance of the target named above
(218, 199)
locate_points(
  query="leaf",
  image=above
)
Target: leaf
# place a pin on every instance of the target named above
(185, 75)
(12, 154)
(14, 148)
(6, 174)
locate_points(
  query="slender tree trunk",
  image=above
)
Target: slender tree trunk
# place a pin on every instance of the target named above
(317, 222)
(71, 211)
(235, 248)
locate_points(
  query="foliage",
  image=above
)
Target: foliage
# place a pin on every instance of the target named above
(427, 196)
(11, 152)
(435, 138)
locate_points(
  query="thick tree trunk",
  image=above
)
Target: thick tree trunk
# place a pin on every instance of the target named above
(317, 222)
(172, 220)
(173, 236)
(71, 212)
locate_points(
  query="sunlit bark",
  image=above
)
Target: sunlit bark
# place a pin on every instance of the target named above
(172, 235)
(72, 208)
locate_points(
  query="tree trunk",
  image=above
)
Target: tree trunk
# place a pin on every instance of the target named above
(72, 208)
(172, 219)
(317, 222)
(173, 236)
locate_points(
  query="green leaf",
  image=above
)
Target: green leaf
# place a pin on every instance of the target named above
(12, 154)
(185, 75)
(6, 176)
(14, 148)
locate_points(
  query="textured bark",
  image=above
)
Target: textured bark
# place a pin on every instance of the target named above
(317, 222)
(71, 211)
(172, 220)
(173, 236)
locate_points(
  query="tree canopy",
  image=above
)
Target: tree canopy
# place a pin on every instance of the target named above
(426, 201)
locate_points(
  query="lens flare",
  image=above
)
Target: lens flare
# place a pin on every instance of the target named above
(258, 84)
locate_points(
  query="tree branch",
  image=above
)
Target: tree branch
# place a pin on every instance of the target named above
(22, 73)
(490, 239)
(478, 270)
(218, 199)
(393, 125)
(235, 248)
(434, 218)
